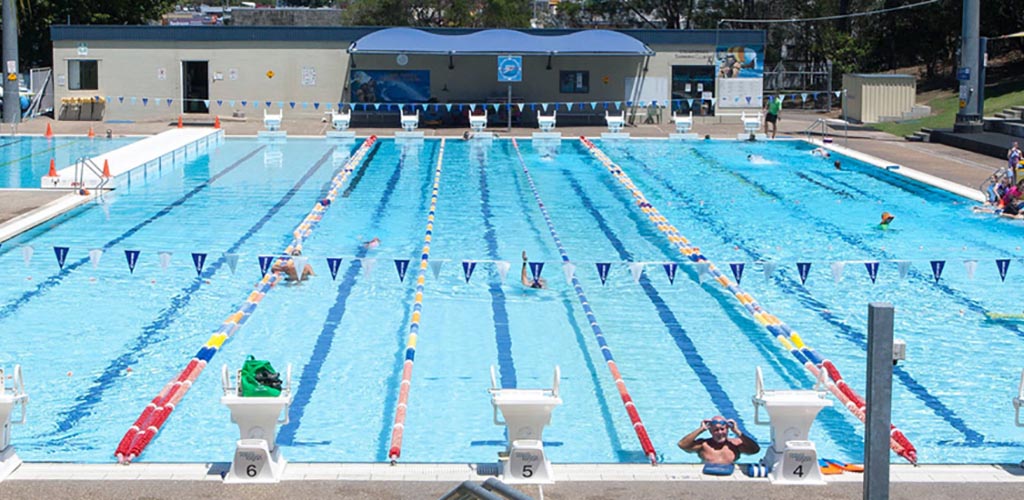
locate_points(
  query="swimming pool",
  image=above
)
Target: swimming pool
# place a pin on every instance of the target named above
(686, 350)
(24, 159)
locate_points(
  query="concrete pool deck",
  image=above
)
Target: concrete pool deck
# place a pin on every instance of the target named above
(601, 481)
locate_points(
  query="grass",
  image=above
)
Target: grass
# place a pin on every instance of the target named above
(945, 105)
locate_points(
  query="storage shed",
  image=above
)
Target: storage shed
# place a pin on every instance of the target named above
(872, 98)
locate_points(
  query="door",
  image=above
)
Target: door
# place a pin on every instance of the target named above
(195, 87)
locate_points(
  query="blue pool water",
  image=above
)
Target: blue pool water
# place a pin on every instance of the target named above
(24, 159)
(686, 350)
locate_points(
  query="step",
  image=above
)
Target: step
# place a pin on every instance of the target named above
(914, 138)
(1019, 109)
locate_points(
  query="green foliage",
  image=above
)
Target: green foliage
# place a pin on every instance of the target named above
(439, 13)
(944, 109)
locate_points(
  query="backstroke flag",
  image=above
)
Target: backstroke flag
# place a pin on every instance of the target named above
(802, 268)
(199, 259)
(670, 270)
(837, 271)
(970, 266)
(872, 268)
(132, 256)
(503, 267)
(401, 265)
(165, 259)
(62, 254)
(94, 257)
(602, 270)
(937, 266)
(467, 268)
(265, 261)
(232, 260)
(737, 271)
(535, 269)
(1003, 265)
(334, 263)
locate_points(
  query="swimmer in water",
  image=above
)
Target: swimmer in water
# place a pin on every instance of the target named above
(370, 245)
(821, 153)
(529, 282)
(839, 166)
(288, 268)
(886, 219)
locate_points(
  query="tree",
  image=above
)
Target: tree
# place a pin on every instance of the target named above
(439, 13)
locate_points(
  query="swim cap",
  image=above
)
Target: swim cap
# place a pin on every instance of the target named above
(887, 217)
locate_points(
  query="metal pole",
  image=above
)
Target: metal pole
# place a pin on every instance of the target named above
(982, 59)
(879, 401)
(12, 101)
(509, 110)
(967, 118)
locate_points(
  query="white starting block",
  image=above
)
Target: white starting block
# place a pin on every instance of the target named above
(546, 124)
(257, 458)
(339, 123)
(477, 123)
(791, 457)
(409, 125)
(272, 122)
(751, 126)
(683, 125)
(12, 394)
(1018, 402)
(525, 413)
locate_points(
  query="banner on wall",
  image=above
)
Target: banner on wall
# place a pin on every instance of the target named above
(390, 86)
(739, 76)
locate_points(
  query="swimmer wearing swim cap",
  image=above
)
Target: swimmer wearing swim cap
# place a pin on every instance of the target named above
(370, 245)
(886, 219)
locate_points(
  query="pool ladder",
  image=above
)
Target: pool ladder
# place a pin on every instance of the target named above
(84, 164)
(821, 126)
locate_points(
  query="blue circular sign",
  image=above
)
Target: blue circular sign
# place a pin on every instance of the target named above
(510, 68)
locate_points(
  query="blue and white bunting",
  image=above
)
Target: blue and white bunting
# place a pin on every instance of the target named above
(737, 271)
(937, 266)
(94, 257)
(435, 267)
(265, 261)
(670, 271)
(232, 261)
(535, 269)
(803, 268)
(904, 267)
(769, 270)
(165, 259)
(872, 268)
(199, 260)
(467, 268)
(368, 265)
(970, 266)
(837, 271)
(26, 254)
(602, 270)
(568, 269)
(401, 265)
(636, 269)
(1003, 265)
(132, 256)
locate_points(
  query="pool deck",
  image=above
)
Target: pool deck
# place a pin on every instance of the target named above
(420, 481)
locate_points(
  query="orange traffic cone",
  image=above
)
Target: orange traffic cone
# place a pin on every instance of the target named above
(49, 132)
(180, 123)
(92, 134)
(106, 168)
(216, 122)
(53, 168)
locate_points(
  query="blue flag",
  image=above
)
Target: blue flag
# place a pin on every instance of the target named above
(132, 256)
(467, 268)
(670, 270)
(61, 253)
(265, 261)
(937, 266)
(803, 268)
(602, 270)
(535, 269)
(872, 268)
(1003, 265)
(401, 265)
(199, 259)
(334, 263)
(737, 271)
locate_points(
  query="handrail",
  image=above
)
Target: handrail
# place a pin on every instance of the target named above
(824, 129)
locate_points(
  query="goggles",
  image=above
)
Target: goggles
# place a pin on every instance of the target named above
(719, 422)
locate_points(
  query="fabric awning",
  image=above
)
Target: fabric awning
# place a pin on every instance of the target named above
(499, 41)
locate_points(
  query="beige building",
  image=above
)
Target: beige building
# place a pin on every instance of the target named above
(151, 73)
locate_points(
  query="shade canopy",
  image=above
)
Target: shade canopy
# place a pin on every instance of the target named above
(499, 41)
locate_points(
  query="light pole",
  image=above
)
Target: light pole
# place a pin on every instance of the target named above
(968, 117)
(12, 101)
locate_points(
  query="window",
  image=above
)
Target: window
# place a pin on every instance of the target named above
(574, 82)
(83, 75)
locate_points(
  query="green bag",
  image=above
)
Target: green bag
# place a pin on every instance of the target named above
(258, 379)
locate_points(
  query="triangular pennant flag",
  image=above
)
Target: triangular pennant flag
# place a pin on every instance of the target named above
(1003, 265)
(26, 253)
(837, 93)
(268, 104)
(602, 270)
(435, 267)
(256, 104)
(145, 101)
(503, 267)
(748, 99)
(231, 103)
(316, 105)
(220, 102)
(94, 257)
(872, 268)
(158, 101)
(232, 261)
(448, 107)
(133, 100)
(521, 106)
(703, 269)
(970, 266)
(165, 259)
(769, 269)
(299, 262)
(803, 96)
(670, 270)
(937, 266)
(305, 105)
(802, 268)
(593, 105)
(535, 269)
(568, 268)
(245, 103)
(533, 107)
(206, 102)
(401, 265)
(368, 267)
(904, 266)
(544, 106)
(636, 268)
(132, 256)
(467, 268)
(120, 99)
(199, 260)
(837, 271)
(737, 271)
(280, 105)
(472, 107)
(334, 263)
(62, 254)
(689, 103)
(265, 261)
(169, 101)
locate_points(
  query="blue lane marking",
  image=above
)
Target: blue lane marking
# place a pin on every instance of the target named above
(824, 186)
(154, 332)
(310, 377)
(502, 337)
(8, 143)
(54, 280)
(696, 362)
(848, 332)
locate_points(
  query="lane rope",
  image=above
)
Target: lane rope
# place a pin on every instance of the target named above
(153, 416)
(807, 356)
(627, 400)
(398, 426)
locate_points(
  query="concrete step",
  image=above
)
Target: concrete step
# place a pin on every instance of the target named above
(913, 138)
(1019, 109)
(919, 136)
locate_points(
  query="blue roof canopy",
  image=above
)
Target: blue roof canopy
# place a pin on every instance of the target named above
(499, 41)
